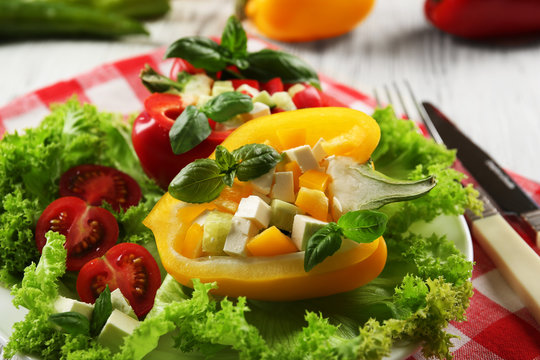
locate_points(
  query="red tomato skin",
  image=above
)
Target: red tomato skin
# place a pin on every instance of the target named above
(118, 270)
(150, 137)
(236, 83)
(95, 183)
(308, 98)
(75, 226)
(273, 85)
(180, 65)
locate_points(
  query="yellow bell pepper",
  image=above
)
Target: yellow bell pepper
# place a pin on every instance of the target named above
(305, 20)
(279, 277)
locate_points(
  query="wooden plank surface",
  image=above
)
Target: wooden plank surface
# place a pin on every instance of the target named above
(491, 91)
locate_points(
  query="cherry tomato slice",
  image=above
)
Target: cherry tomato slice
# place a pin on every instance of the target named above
(273, 85)
(89, 230)
(97, 183)
(128, 267)
(308, 98)
(151, 142)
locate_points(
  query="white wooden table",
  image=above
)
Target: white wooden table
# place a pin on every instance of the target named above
(491, 92)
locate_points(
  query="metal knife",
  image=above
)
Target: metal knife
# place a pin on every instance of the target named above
(515, 259)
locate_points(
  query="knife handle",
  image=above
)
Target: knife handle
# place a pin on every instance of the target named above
(516, 261)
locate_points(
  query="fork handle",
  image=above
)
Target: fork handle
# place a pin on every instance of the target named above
(516, 261)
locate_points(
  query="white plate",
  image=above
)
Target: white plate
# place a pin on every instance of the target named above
(455, 229)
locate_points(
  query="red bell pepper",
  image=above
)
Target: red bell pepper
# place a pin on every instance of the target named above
(484, 18)
(151, 141)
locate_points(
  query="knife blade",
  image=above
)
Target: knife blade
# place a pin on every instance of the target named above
(514, 258)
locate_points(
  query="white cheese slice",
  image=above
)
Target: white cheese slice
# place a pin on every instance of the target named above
(263, 184)
(63, 304)
(241, 231)
(283, 188)
(259, 109)
(119, 302)
(318, 150)
(303, 227)
(304, 157)
(255, 209)
(118, 326)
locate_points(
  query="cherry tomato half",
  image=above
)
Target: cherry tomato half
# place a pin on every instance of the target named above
(96, 183)
(126, 266)
(89, 230)
(150, 138)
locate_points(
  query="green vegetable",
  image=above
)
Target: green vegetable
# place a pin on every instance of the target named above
(362, 226)
(262, 65)
(71, 322)
(31, 165)
(38, 19)
(226, 105)
(202, 180)
(102, 310)
(139, 9)
(155, 82)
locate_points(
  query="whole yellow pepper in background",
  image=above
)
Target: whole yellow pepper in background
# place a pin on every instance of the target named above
(304, 20)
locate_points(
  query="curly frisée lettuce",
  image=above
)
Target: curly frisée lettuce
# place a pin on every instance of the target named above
(32, 162)
(424, 286)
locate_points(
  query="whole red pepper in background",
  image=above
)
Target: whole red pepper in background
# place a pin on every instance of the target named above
(476, 19)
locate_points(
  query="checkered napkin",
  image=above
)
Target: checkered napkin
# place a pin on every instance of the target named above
(498, 326)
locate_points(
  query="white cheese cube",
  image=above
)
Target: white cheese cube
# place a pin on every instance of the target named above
(255, 209)
(283, 188)
(303, 228)
(263, 183)
(241, 231)
(337, 209)
(117, 327)
(63, 304)
(295, 89)
(259, 109)
(304, 157)
(119, 302)
(245, 88)
(318, 150)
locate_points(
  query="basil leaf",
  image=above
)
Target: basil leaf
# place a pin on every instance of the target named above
(234, 38)
(71, 322)
(102, 311)
(189, 130)
(267, 64)
(226, 105)
(325, 242)
(363, 226)
(227, 163)
(255, 160)
(200, 51)
(200, 181)
(156, 82)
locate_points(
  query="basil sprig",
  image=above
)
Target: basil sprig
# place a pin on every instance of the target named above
(362, 226)
(157, 83)
(204, 179)
(261, 65)
(76, 323)
(192, 127)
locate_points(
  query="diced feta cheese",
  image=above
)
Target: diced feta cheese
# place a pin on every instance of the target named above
(303, 228)
(119, 302)
(304, 157)
(241, 231)
(255, 209)
(222, 86)
(63, 304)
(259, 109)
(245, 88)
(295, 89)
(263, 184)
(117, 327)
(283, 188)
(318, 150)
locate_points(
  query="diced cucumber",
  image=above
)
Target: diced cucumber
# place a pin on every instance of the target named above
(283, 101)
(303, 228)
(216, 228)
(198, 85)
(221, 87)
(283, 214)
(265, 98)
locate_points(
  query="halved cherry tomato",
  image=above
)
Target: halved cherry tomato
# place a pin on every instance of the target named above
(180, 65)
(309, 97)
(89, 230)
(129, 267)
(236, 83)
(97, 183)
(151, 142)
(273, 85)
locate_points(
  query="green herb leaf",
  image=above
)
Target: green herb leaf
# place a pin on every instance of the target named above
(227, 163)
(189, 130)
(200, 51)
(156, 82)
(71, 322)
(267, 64)
(234, 39)
(200, 181)
(255, 160)
(226, 105)
(325, 242)
(102, 311)
(363, 226)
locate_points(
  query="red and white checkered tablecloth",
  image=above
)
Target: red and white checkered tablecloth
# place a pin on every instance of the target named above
(498, 326)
